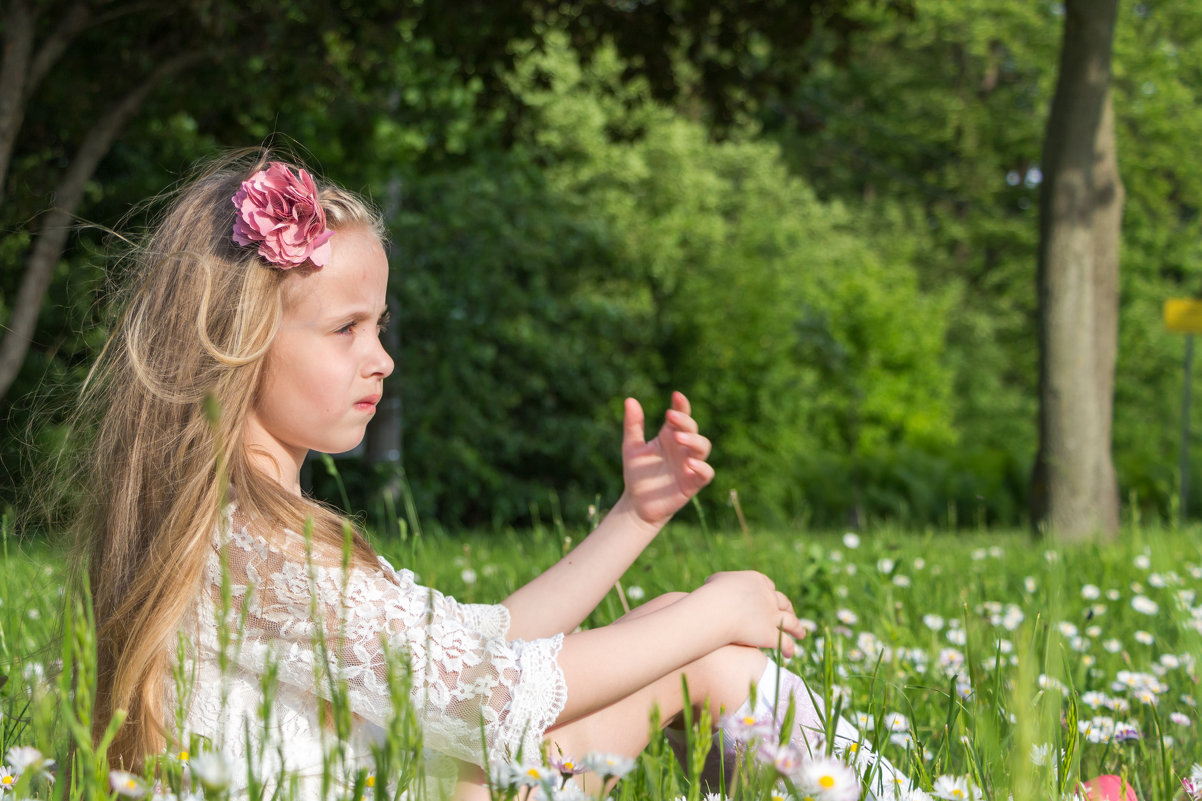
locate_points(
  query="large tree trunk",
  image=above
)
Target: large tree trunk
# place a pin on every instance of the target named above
(1074, 491)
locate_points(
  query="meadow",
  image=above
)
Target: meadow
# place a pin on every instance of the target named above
(985, 664)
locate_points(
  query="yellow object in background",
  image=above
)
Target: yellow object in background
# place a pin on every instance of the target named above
(1183, 315)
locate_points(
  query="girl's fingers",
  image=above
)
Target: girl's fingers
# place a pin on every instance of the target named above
(680, 403)
(703, 471)
(698, 445)
(681, 421)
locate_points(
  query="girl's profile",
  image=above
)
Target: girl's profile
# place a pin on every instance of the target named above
(248, 337)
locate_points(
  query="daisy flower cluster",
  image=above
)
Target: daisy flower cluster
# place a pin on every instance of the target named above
(557, 781)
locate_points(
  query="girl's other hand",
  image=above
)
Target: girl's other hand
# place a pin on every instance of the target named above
(663, 474)
(760, 615)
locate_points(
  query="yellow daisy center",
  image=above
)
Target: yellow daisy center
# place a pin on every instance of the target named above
(131, 784)
(371, 781)
(827, 782)
(748, 720)
(532, 773)
(6, 780)
(183, 756)
(958, 793)
(569, 765)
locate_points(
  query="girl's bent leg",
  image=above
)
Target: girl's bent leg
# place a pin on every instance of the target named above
(722, 678)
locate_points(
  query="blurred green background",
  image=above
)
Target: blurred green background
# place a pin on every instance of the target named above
(818, 220)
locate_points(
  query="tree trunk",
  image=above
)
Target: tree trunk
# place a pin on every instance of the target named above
(56, 226)
(22, 69)
(1074, 492)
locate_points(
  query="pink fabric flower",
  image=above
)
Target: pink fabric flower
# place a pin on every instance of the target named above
(280, 211)
(1106, 788)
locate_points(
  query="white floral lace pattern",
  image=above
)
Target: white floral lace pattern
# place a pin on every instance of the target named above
(464, 672)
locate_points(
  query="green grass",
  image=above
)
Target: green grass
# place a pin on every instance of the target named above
(987, 645)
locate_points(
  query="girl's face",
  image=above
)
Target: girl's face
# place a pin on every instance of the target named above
(326, 367)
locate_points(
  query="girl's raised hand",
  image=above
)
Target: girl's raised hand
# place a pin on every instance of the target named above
(663, 474)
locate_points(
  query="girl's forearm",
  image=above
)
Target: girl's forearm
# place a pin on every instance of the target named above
(603, 665)
(559, 599)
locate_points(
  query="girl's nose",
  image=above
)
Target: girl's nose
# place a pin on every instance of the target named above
(381, 363)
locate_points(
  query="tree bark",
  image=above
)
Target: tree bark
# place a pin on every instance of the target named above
(14, 72)
(1074, 491)
(22, 69)
(56, 226)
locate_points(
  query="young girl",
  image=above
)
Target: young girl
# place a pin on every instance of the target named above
(250, 336)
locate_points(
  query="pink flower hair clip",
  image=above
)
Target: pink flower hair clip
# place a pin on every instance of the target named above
(279, 211)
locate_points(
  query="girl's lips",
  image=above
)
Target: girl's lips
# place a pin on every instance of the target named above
(367, 403)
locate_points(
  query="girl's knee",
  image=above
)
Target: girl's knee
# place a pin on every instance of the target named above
(726, 675)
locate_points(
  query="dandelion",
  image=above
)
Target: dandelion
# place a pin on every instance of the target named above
(885, 565)
(468, 575)
(957, 636)
(851, 540)
(1112, 645)
(126, 784)
(1090, 592)
(1029, 583)
(1144, 637)
(1142, 561)
(1113, 594)
(828, 779)
(901, 581)
(933, 622)
(1144, 605)
(635, 593)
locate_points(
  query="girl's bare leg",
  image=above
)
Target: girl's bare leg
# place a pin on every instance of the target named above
(722, 677)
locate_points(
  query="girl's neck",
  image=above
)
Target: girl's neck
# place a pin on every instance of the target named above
(271, 458)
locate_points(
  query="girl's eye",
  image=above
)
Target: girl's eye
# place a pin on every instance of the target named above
(346, 329)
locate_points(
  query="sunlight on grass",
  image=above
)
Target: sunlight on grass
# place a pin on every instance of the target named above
(981, 665)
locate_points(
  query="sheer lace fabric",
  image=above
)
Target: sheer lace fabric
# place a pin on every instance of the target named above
(463, 671)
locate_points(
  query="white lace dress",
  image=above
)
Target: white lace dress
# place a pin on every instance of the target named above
(472, 689)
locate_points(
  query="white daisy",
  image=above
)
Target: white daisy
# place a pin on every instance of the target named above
(828, 779)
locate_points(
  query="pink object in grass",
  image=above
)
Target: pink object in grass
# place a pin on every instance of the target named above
(1106, 787)
(280, 211)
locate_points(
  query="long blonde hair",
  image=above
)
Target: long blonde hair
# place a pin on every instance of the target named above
(168, 400)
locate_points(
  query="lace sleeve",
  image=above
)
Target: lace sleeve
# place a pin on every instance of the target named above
(463, 670)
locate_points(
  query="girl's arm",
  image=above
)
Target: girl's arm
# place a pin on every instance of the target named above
(603, 665)
(660, 477)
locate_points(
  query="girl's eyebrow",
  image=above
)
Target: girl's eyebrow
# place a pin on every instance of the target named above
(359, 315)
